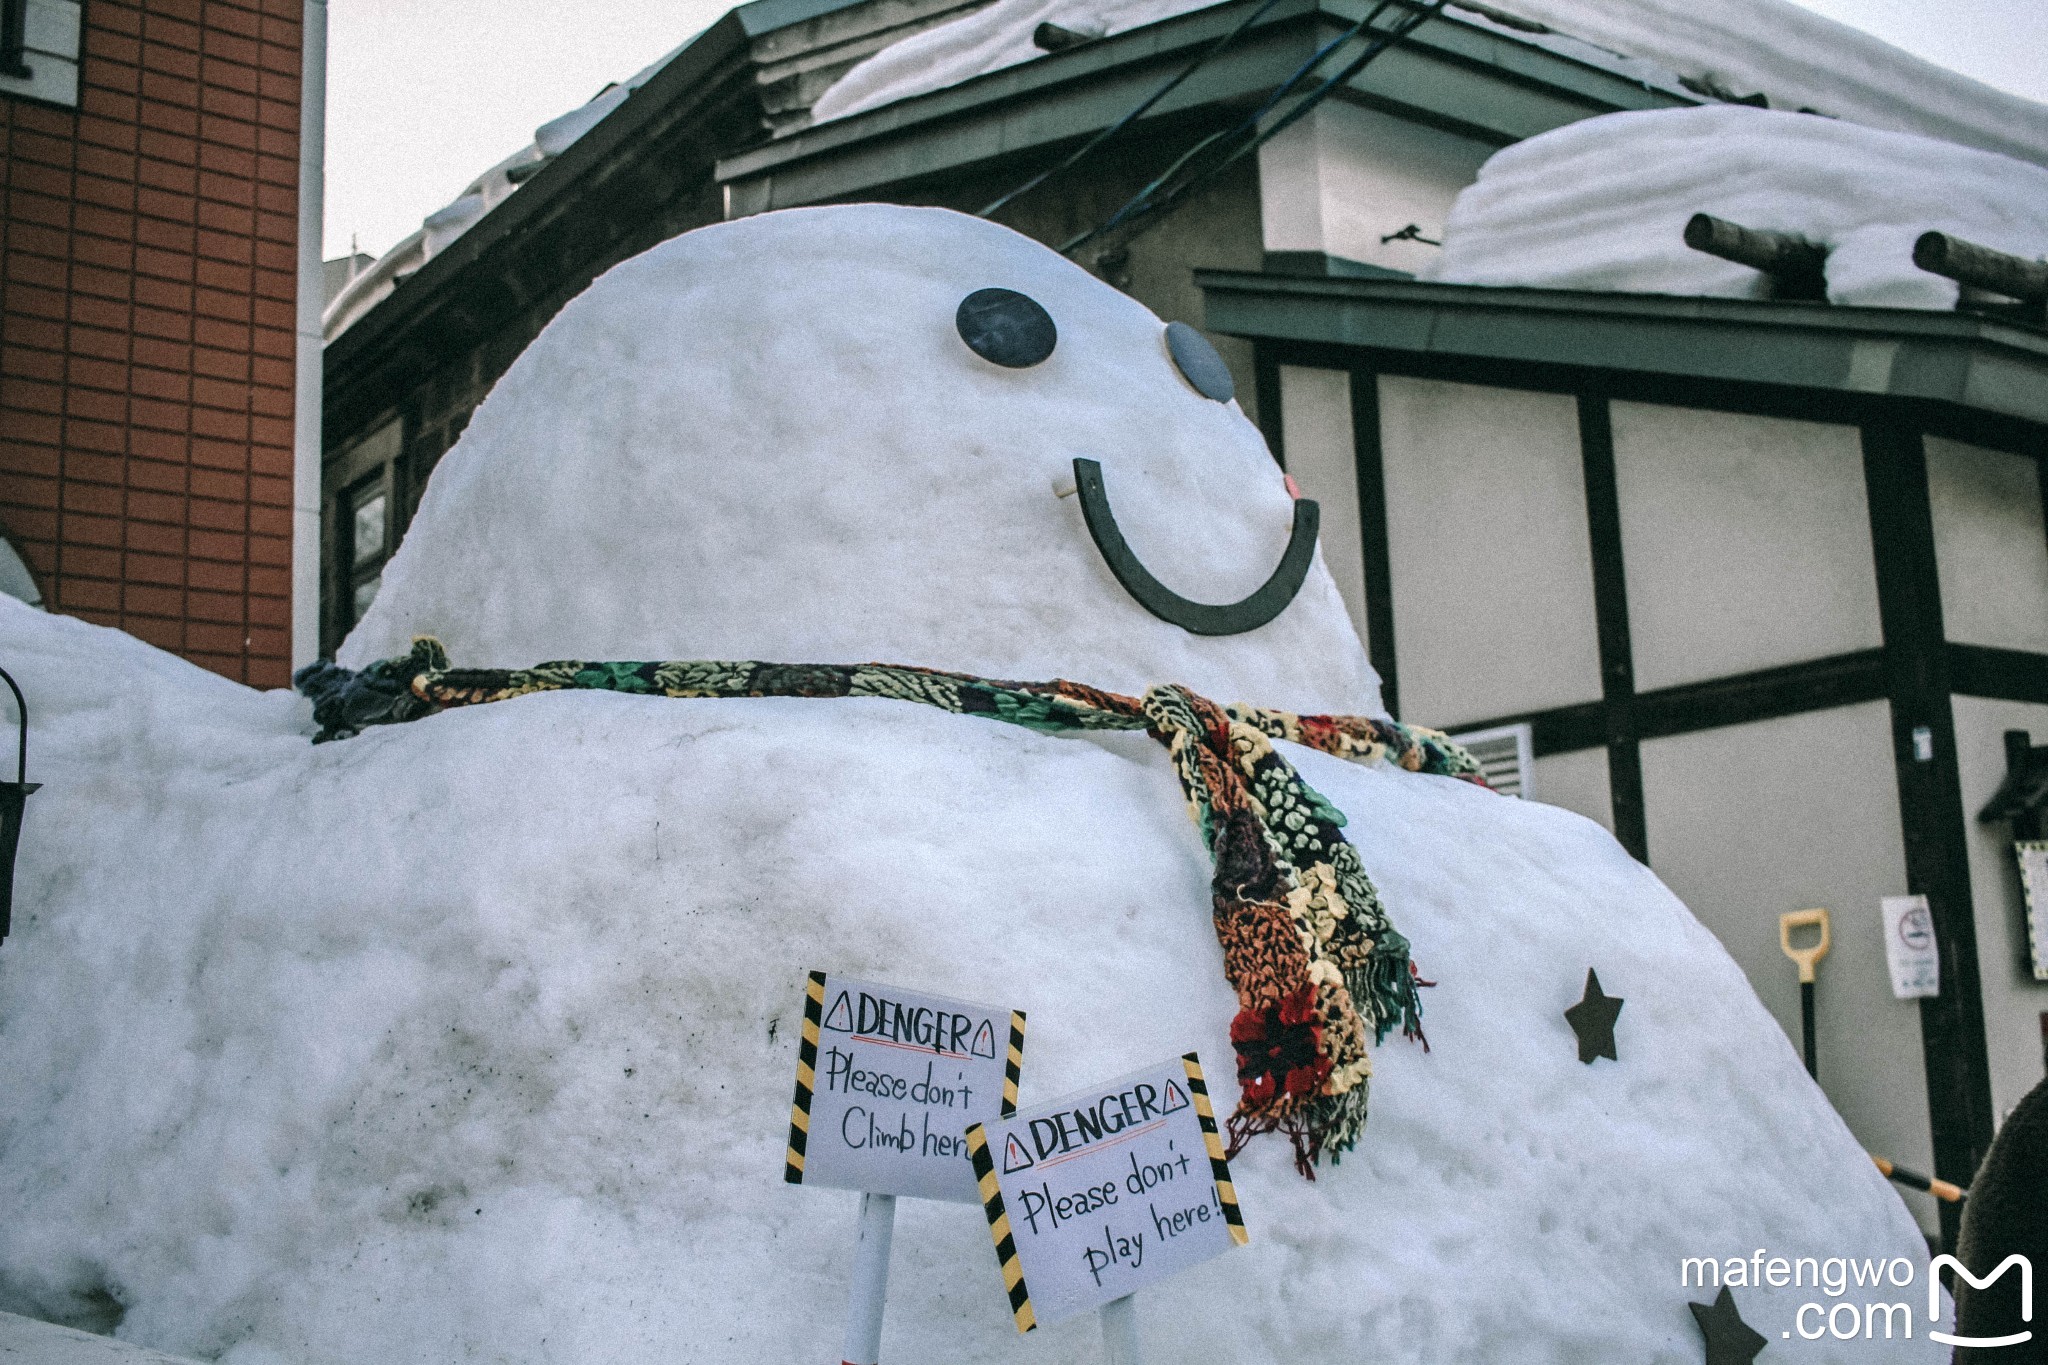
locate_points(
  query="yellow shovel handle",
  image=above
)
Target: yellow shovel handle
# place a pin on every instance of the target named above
(1807, 958)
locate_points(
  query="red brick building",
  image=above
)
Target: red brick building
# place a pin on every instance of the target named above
(148, 257)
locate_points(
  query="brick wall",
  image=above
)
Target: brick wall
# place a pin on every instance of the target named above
(146, 330)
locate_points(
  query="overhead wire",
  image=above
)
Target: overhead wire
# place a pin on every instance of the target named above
(1250, 121)
(1138, 111)
(1154, 198)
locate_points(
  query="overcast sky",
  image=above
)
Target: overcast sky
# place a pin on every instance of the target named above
(425, 94)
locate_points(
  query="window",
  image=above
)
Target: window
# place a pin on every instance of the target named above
(13, 29)
(369, 539)
(39, 42)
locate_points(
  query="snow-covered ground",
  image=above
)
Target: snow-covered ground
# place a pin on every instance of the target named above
(1602, 204)
(1794, 57)
(473, 1039)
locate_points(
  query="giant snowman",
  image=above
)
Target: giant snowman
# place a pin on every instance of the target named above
(473, 1038)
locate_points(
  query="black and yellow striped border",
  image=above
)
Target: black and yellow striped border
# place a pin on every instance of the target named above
(1014, 1066)
(998, 1220)
(1226, 1193)
(806, 1078)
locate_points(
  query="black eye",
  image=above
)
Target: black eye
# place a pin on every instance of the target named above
(1198, 362)
(1006, 328)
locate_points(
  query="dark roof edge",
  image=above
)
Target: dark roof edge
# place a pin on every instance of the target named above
(1514, 59)
(1961, 359)
(701, 59)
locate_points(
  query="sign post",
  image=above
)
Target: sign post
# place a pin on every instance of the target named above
(870, 1280)
(887, 1082)
(1095, 1196)
(1120, 1330)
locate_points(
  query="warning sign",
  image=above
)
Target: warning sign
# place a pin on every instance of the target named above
(1106, 1191)
(887, 1083)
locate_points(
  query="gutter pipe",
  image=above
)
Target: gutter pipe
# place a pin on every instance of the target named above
(307, 397)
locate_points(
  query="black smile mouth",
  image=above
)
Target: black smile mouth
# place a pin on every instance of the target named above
(1197, 618)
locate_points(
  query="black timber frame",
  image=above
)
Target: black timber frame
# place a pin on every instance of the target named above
(1937, 391)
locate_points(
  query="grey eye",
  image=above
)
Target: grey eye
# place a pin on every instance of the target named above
(1198, 363)
(1006, 328)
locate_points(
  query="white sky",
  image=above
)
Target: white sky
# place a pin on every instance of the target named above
(425, 94)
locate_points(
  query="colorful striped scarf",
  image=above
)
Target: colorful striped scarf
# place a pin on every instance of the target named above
(1307, 944)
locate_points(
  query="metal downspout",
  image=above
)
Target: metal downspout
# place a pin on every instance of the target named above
(312, 298)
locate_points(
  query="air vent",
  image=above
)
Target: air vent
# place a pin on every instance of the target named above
(1507, 756)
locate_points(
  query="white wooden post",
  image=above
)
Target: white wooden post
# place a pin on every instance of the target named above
(1120, 1330)
(870, 1279)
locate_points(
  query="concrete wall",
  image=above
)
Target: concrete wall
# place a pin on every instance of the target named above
(1989, 545)
(2014, 1002)
(1748, 821)
(1345, 176)
(1746, 541)
(1489, 553)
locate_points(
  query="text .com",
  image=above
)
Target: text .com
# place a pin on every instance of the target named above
(1869, 1314)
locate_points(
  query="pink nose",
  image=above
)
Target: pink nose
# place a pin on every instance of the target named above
(1293, 490)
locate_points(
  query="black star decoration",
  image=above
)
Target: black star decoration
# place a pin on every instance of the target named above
(1593, 1020)
(1730, 1340)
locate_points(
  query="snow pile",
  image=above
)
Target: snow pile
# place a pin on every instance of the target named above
(473, 1039)
(865, 487)
(1794, 57)
(1602, 204)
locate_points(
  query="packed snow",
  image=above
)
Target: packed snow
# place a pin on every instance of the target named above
(1602, 204)
(474, 1038)
(865, 488)
(1794, 57)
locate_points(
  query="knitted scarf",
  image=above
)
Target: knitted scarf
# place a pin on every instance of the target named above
(1307, 944)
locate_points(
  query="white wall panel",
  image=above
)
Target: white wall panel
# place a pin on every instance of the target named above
(1488, 549)
(1746, 542)
(1315, 417)
(1989, 544)
(1344, 176)
(1578, 782)
(2013, 1000)
(1748, 821)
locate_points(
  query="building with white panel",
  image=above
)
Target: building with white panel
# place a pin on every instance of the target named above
(1756, 584)
(1766, 610)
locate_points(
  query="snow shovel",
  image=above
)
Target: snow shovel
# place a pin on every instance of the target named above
(1808, 959)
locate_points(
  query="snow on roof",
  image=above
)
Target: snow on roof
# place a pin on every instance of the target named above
(1726, 49)
(445, 224)
(1602, 204)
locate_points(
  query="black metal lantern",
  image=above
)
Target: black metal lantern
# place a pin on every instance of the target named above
(13, 799)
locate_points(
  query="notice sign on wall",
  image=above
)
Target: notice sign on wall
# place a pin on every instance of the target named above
(1909, 948)
(2033, 856)
(1104, 1192)
(888, 1082)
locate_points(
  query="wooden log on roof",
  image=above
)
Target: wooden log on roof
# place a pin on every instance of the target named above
(1981, 267)
(1797, 267)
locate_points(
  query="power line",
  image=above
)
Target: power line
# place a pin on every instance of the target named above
(1161, 93)
(1151, 200)
(1273, 97)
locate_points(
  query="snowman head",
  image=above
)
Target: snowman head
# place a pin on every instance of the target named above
(872, 433)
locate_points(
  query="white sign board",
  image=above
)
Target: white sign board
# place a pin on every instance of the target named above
(1102, 1193)
(1909, 948)
(2033, 855)
(887, 1082)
